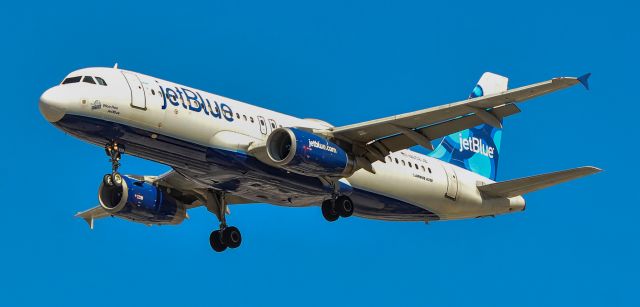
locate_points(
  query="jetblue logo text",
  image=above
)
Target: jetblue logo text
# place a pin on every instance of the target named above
(193, 101)
(476, 145)
(321, 146)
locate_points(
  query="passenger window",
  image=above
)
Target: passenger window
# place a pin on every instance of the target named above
(238, 115)
(416, 165)
(403, 164)
(397, 161)
(422, 166)
(273, 125)
(429, 170)
(72, 80)
(244, 117)
(251, 118)
(101, 81)
(88, 79)
(153, 92)
(410, 164)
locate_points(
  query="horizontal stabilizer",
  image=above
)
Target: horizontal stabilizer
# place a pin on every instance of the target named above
(516, 187)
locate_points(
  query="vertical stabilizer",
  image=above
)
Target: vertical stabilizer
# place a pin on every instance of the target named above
(476, 149)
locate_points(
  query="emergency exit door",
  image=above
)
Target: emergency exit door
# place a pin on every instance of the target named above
(138, 98)
(452, 182)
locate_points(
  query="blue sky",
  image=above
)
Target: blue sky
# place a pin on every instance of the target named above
(577, 244)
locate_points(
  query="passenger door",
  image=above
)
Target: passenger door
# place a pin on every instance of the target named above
(263, 125)
(272, 125)
(452, 181)
(138, 98)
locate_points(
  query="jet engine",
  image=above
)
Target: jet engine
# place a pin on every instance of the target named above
(305, 153)
(140, 201)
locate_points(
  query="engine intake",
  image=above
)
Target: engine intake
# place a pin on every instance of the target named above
(305, 153)
(142, 202)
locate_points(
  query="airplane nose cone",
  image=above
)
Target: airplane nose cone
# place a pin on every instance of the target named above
(52, 105)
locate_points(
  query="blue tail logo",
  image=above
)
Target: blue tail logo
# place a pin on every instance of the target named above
(476, 149)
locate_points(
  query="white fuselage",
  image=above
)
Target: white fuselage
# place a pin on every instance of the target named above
(168, 109)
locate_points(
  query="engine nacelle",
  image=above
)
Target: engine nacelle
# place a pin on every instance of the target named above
(305, 153)
(141, 202)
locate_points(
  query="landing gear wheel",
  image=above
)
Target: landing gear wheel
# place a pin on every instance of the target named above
(231, 237)
(344, 206)
(107, 180)
(215, 239)
(117, 179)
(328, 211)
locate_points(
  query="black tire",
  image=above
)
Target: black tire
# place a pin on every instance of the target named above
(231, 237)
(117, 180)
(344, 206)
(107, 180)
(215, 239)
(328, 211)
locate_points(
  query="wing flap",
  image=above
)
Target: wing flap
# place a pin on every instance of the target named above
(516, 187)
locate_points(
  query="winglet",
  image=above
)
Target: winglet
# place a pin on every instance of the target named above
(87, 218)
(584, 79)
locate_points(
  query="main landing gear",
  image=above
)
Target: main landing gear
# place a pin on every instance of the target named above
(336, 207)
(226, 236)
(114, 151)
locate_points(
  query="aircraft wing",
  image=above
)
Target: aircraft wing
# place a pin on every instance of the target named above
(92, 214)
(376, 138)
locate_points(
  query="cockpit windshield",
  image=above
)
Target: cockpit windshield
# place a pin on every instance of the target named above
(72, 80)
(101, 81)
(86, 79)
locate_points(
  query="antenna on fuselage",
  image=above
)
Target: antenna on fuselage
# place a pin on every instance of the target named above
(115, 66)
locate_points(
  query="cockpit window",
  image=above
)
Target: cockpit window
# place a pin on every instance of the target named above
(88, 79)
(72, 80)
(101, 81)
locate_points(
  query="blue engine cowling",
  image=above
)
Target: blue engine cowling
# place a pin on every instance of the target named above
(305, 153)
(142, 202)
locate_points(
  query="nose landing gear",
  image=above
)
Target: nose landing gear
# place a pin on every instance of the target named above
(114, 151)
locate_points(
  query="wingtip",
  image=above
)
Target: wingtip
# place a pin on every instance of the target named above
(596, 169)
(592, 169)
(584, 80)
(88, 219)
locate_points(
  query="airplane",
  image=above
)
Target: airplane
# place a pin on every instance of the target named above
(223, 152)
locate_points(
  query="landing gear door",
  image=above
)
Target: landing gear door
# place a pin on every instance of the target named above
(138, 98)
(452, 182)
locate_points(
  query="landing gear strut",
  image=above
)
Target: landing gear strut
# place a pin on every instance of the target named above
(225, 236)
(114, 151)
(340, 206)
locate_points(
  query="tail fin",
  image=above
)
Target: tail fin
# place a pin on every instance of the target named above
(476, 149)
